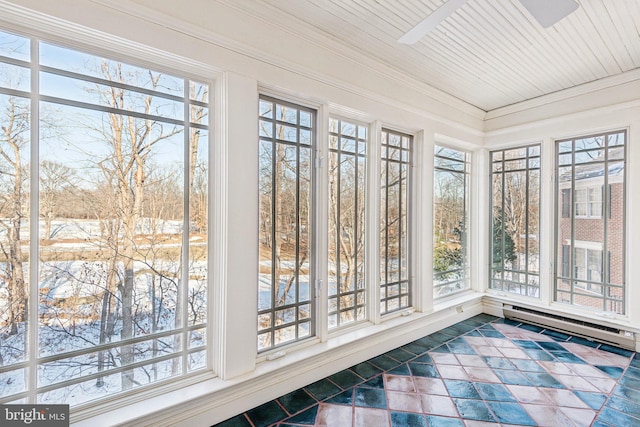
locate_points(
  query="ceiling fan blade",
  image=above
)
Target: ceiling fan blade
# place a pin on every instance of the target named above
(431, 21)
(548, 12)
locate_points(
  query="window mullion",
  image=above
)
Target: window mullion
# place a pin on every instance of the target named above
(186, 221)
(34, 228)
(372, 228)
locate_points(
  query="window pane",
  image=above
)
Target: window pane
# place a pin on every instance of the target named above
(14, 46)
(590, 233)
(450, 204)
(395, 182)
(286, 224)
(346, 223)
(14, 238)
(515, 219)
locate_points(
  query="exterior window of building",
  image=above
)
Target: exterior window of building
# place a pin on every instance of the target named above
(347, 182)
(589, 202)
(591, 222)
(286, 271)
(450, 214)
(103, 229)
(395, 182)
(515, 219)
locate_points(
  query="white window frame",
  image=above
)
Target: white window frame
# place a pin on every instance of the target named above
(102, 44)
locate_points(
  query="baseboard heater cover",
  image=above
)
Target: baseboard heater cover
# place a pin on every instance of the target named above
(588, 330)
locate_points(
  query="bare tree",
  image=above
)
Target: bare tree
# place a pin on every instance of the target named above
(55, 180)
(124, 170)
(14, 140)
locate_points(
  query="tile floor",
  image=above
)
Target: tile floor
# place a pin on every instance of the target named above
(484, 371)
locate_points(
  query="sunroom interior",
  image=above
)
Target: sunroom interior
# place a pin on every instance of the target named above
(236, 198)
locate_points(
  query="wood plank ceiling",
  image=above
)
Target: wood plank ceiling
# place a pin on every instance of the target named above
(489, 53)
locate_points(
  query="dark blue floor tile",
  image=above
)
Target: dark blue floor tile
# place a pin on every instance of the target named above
(237, 421)
(371, 398)
(451, 332)
(630, 382)
(375, 382)
(599, 423)
(416, 348)
(461, 389)
(400, 370)
(384, 362)
(444, 422)
(511, 413)
(632, 372)
(615, 418)
(497, 392)
(296, 401)
(423, 370)
(322, 389)
(266, 414)
(539, 355)
(474, 410)
(616, 350)
(526, 344)
(558, 336)
(400, 355)
(425, 358)
(307, 418)
(567, 357)
(407, 419)
(613, 371)
(527, 365)
(491, 333)
(628, 393)
(440, 338)
(346, 378)
(366, 370)
(344, 398)
(484, 317)
(473, 334)
(626, 406)
(532, 328)
(512, 377)
(470, 324)
(428, 343)
(585, 342)
(542, 379)
(442, 349)
(508, 322)
(498, 362)
(594, 400)
(551, 346)
(635, 362)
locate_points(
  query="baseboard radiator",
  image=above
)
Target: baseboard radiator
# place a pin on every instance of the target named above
(587, 330)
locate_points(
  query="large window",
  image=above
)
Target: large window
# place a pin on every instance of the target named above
(515, 219)
(103, 224)
(450, 220)
(395, 286)
(347, 162)
(285, 309)
(590, 239)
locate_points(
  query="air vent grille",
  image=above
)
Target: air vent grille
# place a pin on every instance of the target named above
(588, 330)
